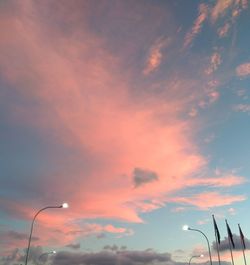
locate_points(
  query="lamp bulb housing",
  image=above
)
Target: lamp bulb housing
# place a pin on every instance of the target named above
(65, 205)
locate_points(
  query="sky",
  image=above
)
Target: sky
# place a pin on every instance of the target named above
(135, 113)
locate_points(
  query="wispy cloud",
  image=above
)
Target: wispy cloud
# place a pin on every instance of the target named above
(215, 61)
(155, 55)
(242, 108)
(220, 8)
(243, 69)
(202, 16)
(224, 180)
(208, 200)
(214, 12)
(223, 31)
(178, 209)
(232, 211)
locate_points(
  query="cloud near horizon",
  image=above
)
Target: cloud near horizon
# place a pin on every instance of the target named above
(113, 256)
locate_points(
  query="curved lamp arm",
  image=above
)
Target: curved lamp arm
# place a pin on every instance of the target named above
(65, 205)
(197, 230)
(200, 256)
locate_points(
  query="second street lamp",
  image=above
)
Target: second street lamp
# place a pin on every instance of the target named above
(186, 227)
(46, 253)
(196, 256)
(64, 205)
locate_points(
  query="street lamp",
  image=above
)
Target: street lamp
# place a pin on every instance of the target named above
(46, 253)
(186, 227)
(64, 205)
(196, 256)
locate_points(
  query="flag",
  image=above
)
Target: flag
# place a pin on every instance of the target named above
(242, 237)
(216, 230)
(230, 235)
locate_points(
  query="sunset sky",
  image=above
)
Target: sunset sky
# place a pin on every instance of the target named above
(135, 113)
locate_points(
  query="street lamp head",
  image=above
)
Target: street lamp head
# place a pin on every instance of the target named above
(185, 227)
(65, 205)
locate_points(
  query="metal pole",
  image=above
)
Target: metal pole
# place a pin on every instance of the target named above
(31, 229)
(243, 249)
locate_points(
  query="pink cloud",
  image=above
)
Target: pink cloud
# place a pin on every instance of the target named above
(58, 228)
(178, 209)
(87, 105)
(208, 200)
(203, 13)
(213, 96)
(243, 69)
(224, 7)
(223, 31)
(155, 55)
(215, 61)
(193, 112)
(244, 4)
(81, 99)
(220, 8)
(204, 221)
(232, 211)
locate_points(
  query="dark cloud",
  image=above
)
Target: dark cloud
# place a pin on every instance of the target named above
(121, 257)
(237, 241)
(13, 256)
(18, 257)
(179, 251)
(74, 246)
(34, 254)
(118, 256)
(19, 236)
(112, 248)
(143, 176)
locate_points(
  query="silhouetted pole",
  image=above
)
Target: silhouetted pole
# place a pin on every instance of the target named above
(242, 244)
(65, 205)
(230, 241)
(217, 238)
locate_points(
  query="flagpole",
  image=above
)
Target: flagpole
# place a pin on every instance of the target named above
(218, 253)
(216, 238)
(229, 241)
(231, 251)
(242, 245)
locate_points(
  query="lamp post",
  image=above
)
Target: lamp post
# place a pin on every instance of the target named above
(186, 227)
(46, 253)
(196, 256)
(64, 205)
